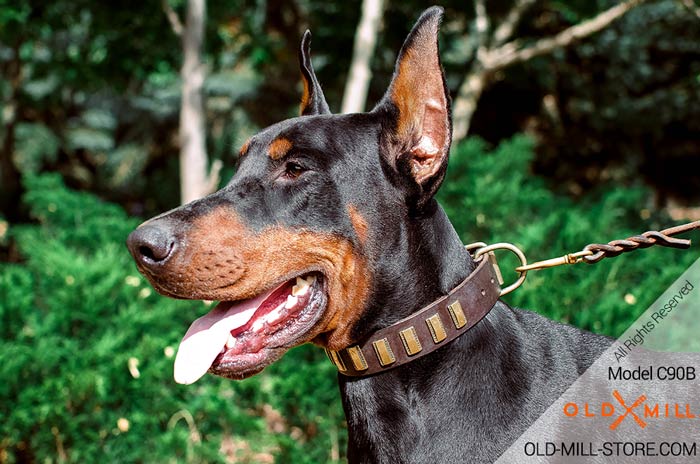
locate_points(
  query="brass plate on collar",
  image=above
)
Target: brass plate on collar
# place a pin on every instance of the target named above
(437, 330)
(384, 353)
(410, 340)
(335, 358)
(357, 358)
(457, 315)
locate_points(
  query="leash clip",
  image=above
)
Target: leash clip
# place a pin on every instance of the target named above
(479, 249)
(570, 258)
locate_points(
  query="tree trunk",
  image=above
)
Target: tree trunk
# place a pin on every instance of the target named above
(465, 104)
(360, 74)
(194, 182)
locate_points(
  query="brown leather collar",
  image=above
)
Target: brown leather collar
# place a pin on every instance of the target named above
(425, 331)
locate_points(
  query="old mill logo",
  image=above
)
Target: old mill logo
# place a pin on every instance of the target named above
(639, 410)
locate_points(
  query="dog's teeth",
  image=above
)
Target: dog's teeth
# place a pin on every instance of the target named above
(274, 315)
(300, 288)
(291, 301)
(230, 342)
(303, 285)
(257, 325)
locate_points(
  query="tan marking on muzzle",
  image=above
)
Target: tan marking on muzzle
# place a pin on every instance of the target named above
(224, 260)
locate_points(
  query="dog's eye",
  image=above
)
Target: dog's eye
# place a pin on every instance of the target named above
(293, 170)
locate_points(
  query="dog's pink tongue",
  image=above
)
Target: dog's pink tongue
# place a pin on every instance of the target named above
(207, 336)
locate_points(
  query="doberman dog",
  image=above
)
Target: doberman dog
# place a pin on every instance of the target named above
(329, 232)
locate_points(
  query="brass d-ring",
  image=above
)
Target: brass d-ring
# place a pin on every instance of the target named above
(515, 250)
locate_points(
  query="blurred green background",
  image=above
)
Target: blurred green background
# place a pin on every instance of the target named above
(594, 140)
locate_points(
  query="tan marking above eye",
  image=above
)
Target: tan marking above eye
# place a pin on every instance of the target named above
(278, 148)
(244, 148)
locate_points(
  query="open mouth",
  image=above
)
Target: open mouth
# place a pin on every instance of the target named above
(238, 339)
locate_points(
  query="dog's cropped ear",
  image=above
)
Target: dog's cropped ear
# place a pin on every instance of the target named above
(312, 100)
(417, 107)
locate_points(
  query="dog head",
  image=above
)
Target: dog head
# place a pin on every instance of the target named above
(293, 244)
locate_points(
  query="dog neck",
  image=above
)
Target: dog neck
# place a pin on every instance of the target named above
(411, 396)
(416, 263)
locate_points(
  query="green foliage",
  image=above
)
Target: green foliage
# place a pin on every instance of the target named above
(492, 196)
(35, 144)
(92, 90)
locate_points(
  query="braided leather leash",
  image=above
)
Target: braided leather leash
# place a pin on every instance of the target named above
(645, 240)
(593, 252)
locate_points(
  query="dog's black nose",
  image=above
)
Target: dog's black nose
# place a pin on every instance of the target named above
(150, 244)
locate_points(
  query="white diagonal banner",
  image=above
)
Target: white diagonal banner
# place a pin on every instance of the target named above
(639, 402)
